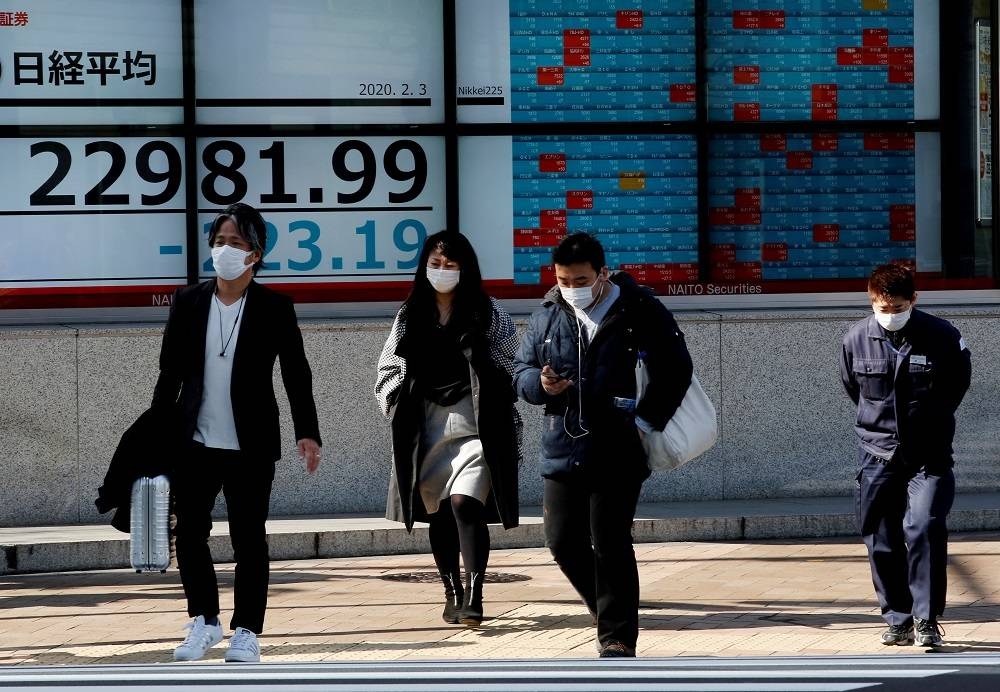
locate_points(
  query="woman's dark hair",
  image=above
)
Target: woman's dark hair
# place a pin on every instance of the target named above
(472, 307)
(577, 248)
(249, 224)
(891, 281)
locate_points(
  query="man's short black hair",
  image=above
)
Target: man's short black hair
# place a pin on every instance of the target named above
(579, 247)
(891, 281)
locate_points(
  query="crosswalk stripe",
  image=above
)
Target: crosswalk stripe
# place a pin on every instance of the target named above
(702, 674)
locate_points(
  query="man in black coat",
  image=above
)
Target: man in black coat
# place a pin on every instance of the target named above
(578, 360)
(216, 364)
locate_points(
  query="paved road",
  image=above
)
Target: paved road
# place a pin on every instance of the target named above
(941, 673)
(720, 599)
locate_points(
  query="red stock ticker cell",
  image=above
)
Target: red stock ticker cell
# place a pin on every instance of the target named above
(579, 199)
(552, 163)
(899, 74)
(774, 252)
(901, 56)
(823, 112)
(902, 213)
(889, 141)
(576, 38)
(878, 38)
(746, 74)
(628, 19)
(824, 93)
(826, 232)
(798, 160)
(747, 198)
(576, 57)
(746, 112)
(758, 19)
(903, 232)
(773, 142)
(682, 93)
(552, 219)
(550, 76)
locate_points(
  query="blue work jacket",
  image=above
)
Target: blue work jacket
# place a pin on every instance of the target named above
(906, 396)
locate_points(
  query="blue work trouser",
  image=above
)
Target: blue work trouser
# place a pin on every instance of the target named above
(902, 513)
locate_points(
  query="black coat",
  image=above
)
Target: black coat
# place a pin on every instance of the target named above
(149, 447)
(636, 322)
(268, 331)
(498, 424)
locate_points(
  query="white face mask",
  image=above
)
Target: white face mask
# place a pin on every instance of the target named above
(443, 280)
(580, 297)
(893, 322)
(230, 262)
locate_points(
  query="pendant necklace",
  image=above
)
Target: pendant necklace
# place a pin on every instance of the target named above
(225, 345)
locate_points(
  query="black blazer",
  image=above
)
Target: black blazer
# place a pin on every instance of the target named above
(268, 330)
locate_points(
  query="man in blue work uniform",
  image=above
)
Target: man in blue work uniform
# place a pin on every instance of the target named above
(907, 371)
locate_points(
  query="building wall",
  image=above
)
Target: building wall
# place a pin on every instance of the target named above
(785, 423)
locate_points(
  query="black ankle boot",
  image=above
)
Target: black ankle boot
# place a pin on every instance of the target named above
(454, 597)
(472, 606)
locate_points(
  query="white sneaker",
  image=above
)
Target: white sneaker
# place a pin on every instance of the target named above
(200, 638)
(243, 647)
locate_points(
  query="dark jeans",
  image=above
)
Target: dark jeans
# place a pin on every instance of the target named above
(246, 484)
(588, 529)
(903, 514)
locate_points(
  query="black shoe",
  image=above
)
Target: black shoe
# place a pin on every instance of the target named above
(898, 635)
(472, 607)
(454, 594)
(615, 649)
(928, 632)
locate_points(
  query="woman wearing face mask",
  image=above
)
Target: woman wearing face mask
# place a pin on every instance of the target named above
(444, 379)
(219, 346)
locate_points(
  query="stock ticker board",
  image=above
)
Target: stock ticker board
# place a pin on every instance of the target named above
(810, 61)
(810, 206)
(782, 206)
(594, 61)
(637, 193)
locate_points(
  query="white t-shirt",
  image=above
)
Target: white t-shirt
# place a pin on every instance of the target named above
(216, 426)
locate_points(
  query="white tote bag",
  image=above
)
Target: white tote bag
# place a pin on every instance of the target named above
(691, 431)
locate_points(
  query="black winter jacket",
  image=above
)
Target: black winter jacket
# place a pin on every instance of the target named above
(636, 322)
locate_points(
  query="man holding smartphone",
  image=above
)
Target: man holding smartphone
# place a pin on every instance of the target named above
(578, 360)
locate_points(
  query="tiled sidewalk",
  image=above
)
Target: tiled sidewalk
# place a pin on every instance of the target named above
(721, 598)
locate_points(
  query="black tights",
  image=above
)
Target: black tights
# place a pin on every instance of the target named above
(460, 528)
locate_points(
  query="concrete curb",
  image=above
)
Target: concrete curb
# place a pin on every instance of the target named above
(96, 547)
